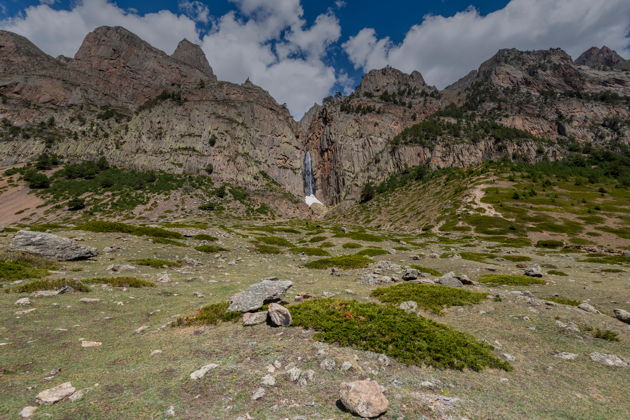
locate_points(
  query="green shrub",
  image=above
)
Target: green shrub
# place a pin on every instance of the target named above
(607, 259)
(274, 240)
(76, 204)
(318, 238)
(516, 258)
(557, 273)
(351, 245)
(211, 314)
(18, 266)
(210, 249)
(204, 237)
(344, 262)
(372, 252)
(36, 180)
(549, 243)
(101, 226)
(315, 252)
(360, 236)
(268, 249)
(510, 279)
(606, 335)
(120, 281)
(167, 242)
(50, 285)
(476, 256)
(428, 296)
(156, 263)
(386, 329)
(427, 270)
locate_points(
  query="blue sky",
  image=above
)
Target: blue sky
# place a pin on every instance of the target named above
(304, 50)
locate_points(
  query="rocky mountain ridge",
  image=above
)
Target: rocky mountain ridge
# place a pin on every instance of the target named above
(121, 98)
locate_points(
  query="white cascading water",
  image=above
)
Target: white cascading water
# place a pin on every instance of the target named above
(309, 181)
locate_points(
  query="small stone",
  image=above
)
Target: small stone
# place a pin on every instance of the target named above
(23, 301)
(44, 293)
(279, 315)
(164, 278)
(28, 411)
(609, 360)
(384, 360)
(409, 306)
(345, 366)
(81, 393)
(89, 300)
(363, 398)
(327, 364)
(201, 372)
(141, 329)
(587, 307)
(533, 271)
(170, 411)
(198, 295)
(622, 315)
(254, 318)
(24, 311)
(328, 294)
(87, 344)
(410, 274)
(508, 357)
(268, 380)
(156, 352)
(56, 394)
(294, 374)
(566, 355)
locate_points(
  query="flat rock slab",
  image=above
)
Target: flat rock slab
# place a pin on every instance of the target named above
(258, 294)
(50, 246)
(56, 394)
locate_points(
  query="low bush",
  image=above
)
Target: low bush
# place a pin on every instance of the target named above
(205, 237)
(428, 296)
(18, 266)
(360, 236)
(167, 242)
(607, 259)
(409, 338)
(268, 249)
(211, 314)
(351, 245)
(315, 252)
(557, 273)
(101, 226)
(510, 279)
(274, 240)
(210, 249)
(50, 285)
(372, 252)
(549, 243)
(344, 262)
(517, 258)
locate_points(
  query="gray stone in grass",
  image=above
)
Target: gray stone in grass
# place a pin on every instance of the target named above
(258, 294)
(50, 246)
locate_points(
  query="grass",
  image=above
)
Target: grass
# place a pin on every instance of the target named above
(428, 270)
(564, 301)
(351, 245)
(372, 252)
(315, 252)
(360, 236)
(120, 281)
(165, 241)
(156, 263)
(100, 226)
(601, 334)
(274, 240)
(428, 296)
(606, 259)
(409, 338)
(19, 266)
(50, 285)
(557, 273)
(510, 280)
(344, 262)
(268, 249)
(516, 258)
(205, 237)
(211, 314)
(477, 256)
(549, 243)
(210, 249)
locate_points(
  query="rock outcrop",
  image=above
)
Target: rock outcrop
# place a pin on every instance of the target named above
(603, 58)
(50, 246)
(258, 294)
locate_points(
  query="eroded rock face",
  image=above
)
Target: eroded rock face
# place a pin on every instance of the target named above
(50, 246)
(193, 55)
(363, 398)
(603, 58)
(258, 294)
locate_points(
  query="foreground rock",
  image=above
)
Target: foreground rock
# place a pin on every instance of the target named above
(201, 372)
(258, 294)
(534, 271)
(621, 315)
(56, 394)
(50, 246)
(254, 318)
(279, 315)
(609, 360)
(363, 398)
(587, 307)
(28, 411)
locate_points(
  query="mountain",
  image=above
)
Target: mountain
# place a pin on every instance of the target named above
(603, 58)
(123, 99)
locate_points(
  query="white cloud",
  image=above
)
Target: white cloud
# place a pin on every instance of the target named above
(444, 49)
(266, 41)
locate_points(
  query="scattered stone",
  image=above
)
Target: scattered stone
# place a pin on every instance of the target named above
(118, 267)
(89, 300)
(410, 274)
(533, 271)
(587, 307)
(566, 355)
(363, 398)
(279, 315)
(609, 360)
(50, 246)
(620, 314)
(164, 278)
(170, 411)
(65, 289)
(24, 311)
(294, 374)
(384, 360)
(450, 279)
(436, 403)
(141, 329)
(81, 393)
(254, 318)
(198, 295)
(56, 394)
(190, 262)
(44, 293)
(345, 366)
(268, 380)
(28, 411)
(86, 344)
(508, 357)
(327, 364)
(409, 306)
(258, 394)
(201, 372)
(373, 279)
(23, 301)
(156, 352)
(258, 294)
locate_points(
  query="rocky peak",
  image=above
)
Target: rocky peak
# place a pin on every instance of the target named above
(19, 55)
(603, 58)
(193, 55)
(390, 80)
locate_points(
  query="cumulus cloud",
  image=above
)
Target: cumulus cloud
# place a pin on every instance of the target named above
(268, 42)
(444, 49)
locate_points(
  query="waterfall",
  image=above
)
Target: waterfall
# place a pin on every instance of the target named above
(309, 181)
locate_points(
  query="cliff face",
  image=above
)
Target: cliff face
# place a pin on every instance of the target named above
(123, 99)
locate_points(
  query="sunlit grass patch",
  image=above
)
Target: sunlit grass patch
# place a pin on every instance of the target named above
(101, 226)
(343, 262)
(49, 285)
(510, 280)
(372, 252)
(274, 240)
(210, 249)
(211, 314)
(428, 296)
(156, 263)
(315, 252)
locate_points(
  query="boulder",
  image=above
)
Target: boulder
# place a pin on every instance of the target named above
(258, 294)
(23, 301)
(621, 315)
(254, 318)
(56, 394)
(50, 246)
(450, 279)
(410, 274)
(533, 271)
(363, 398)
(587, 307)
(279, 315)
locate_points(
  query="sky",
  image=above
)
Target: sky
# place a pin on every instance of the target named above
(304, 50)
